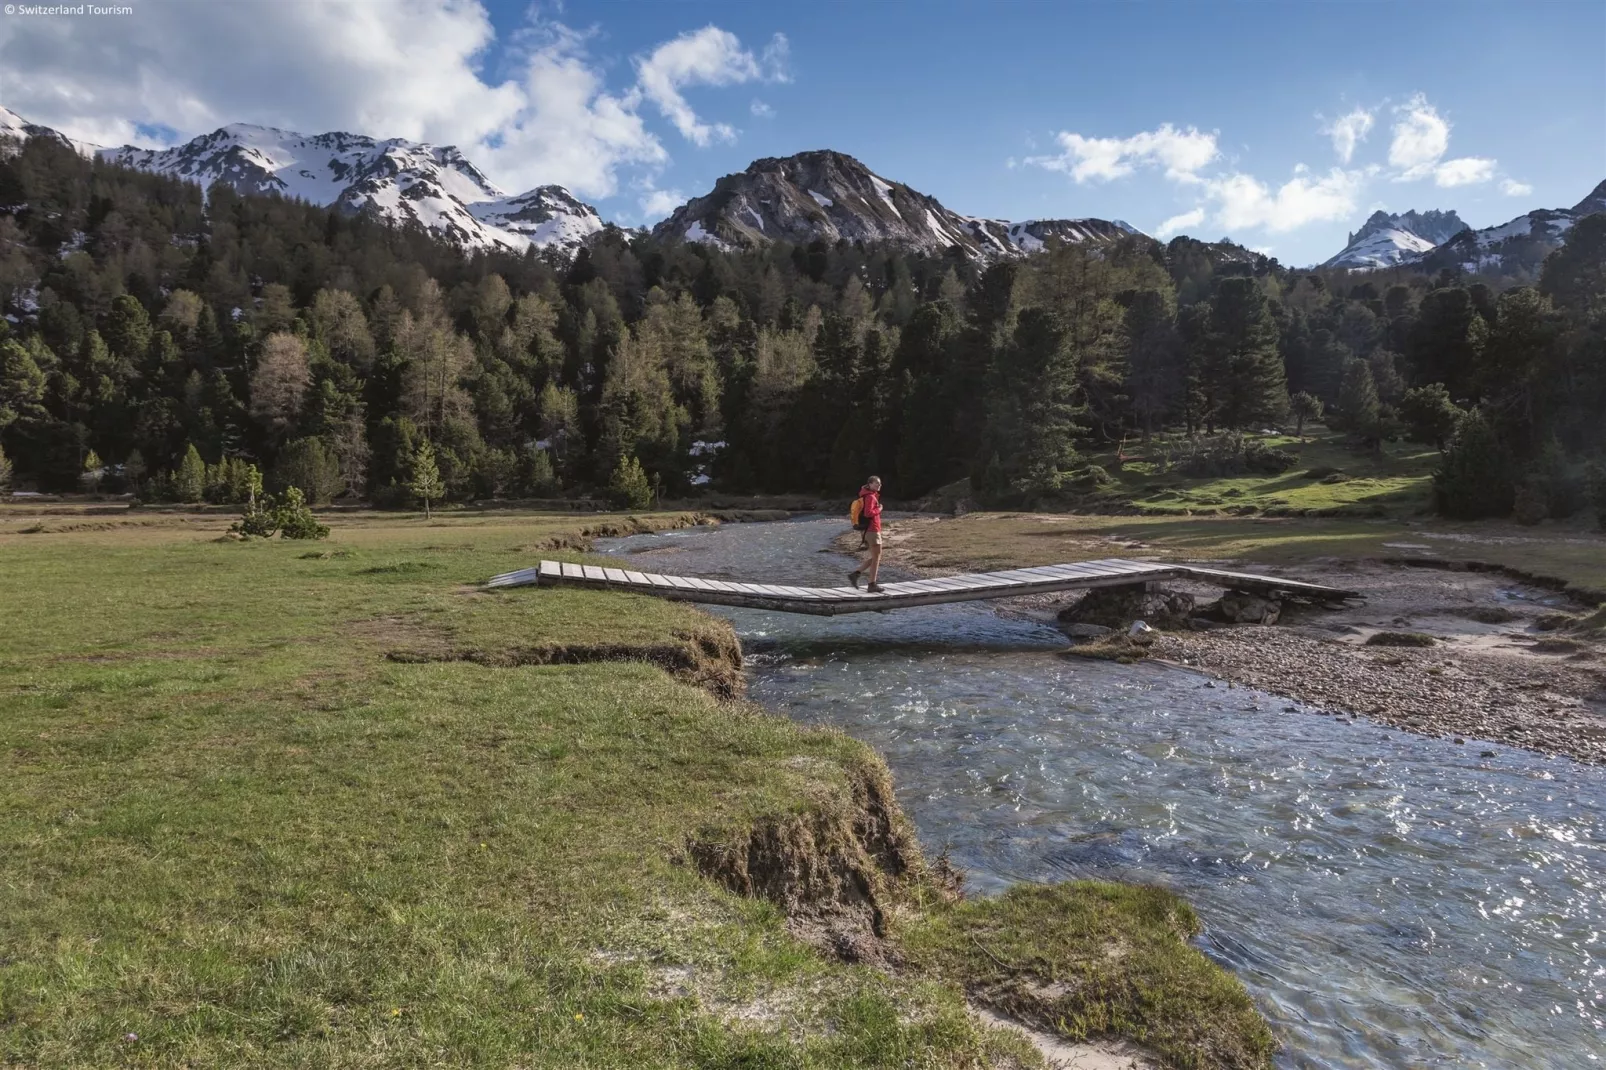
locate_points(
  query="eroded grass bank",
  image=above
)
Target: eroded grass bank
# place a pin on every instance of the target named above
(281, 804)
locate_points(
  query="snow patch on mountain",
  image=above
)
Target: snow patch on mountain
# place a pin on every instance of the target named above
(1386, 240)
(400, 181)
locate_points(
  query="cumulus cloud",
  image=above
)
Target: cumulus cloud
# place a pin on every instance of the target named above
(1178, 223)
(1512, 188)
(1347, 131)
(709, 56)
(761, 110)
(657, 203)
(1243, 201)
(1467, 171)
(410, 69)
(1421, 138)
(1181, 153)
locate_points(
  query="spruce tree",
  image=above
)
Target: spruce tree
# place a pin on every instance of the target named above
(425, 481)
(628, 488)
(5, 472)
(189, 482)
(1476, 477)
(1360, 411)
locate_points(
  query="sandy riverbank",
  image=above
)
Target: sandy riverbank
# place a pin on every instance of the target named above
(1493, 672)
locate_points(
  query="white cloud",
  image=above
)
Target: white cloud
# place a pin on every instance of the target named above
(1467, 171)
(1347, 131)
(761, 109)
(1182, 153)
(658, 203)
(1512, 188)
(709, 56)
(1178, 223)
(1421, 138)
(411, 69)
(1244, 202)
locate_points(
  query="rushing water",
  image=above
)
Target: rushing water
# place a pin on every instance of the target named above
(1389, 900)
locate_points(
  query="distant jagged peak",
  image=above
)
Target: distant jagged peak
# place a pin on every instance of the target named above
(1433, 226)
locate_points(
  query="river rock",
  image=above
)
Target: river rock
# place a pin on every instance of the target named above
(1241, 607)
(1117, 607)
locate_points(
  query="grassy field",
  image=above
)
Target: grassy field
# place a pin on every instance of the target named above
(1570, 553)
(328, 804)
(1330, 477)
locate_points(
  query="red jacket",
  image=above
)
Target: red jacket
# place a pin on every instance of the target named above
(871, 508)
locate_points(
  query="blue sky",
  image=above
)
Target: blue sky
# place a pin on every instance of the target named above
(1208, 119)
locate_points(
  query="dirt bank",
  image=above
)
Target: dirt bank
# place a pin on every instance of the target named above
(1501, 666)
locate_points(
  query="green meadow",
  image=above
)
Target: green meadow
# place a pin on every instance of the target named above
(294, 804)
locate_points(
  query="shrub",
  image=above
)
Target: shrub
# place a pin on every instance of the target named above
(295, 519)
(628, 488)
(1474, 478)
(1528, 506)
(1232, 454)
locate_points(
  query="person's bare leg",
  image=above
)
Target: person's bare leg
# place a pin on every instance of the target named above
(874, 566)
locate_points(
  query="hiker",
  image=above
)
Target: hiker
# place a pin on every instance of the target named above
(867, 518)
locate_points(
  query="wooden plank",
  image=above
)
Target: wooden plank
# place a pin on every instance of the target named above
(594, 574)
(637, 579)
(681, 583)
(658, 581)
(552, 569)
(614, 575)
(572, 571)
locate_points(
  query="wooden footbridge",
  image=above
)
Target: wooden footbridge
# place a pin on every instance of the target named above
(830, 601)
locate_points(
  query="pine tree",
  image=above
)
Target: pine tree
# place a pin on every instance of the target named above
(1253, 390)
(1476, 477)
(425, 482)
(1304, 407)
(1360, 411)
(1033, 417)
(629, 488)
(189, 482)
(1429, 414)
(5, 472)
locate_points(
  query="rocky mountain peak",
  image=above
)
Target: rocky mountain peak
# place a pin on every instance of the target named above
(825, 195)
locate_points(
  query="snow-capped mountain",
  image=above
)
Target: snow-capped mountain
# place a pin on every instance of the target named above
(14, 127)
(1518, 246)
(1387, 240)
(830, 196)
(402, 181)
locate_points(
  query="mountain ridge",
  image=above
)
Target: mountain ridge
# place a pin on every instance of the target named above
(403, 181)
(826, 195)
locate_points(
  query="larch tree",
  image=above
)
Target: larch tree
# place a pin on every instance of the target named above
(279, 382)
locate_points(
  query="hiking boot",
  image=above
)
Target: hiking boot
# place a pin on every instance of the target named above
(853, 577)
(874, 588)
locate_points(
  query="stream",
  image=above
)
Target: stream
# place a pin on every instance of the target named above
(1388, 899)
